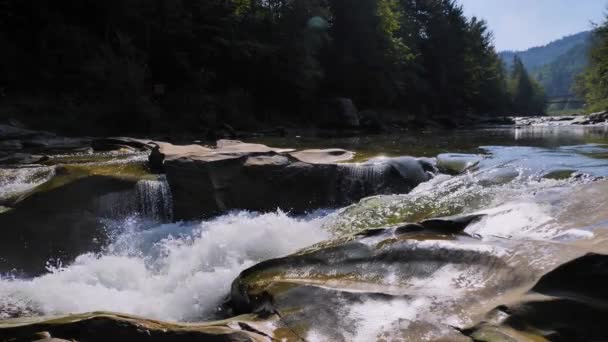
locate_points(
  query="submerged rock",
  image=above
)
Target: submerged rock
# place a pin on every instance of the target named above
(237, 175)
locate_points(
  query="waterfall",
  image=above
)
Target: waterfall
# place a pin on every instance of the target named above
(149, 198)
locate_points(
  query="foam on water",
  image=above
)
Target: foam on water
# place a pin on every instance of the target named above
(17, 181)
(177, 272)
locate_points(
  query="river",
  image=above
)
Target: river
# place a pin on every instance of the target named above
(540, 190)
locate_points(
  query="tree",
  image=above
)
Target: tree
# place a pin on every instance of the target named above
(526, 95)
(592, 84)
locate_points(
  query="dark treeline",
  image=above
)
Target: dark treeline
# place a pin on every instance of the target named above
(592, 84)
(155, 65)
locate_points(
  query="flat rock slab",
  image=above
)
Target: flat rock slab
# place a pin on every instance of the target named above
(235, 175)
(325, 156)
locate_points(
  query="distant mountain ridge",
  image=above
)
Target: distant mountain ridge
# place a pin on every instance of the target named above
(536, 57)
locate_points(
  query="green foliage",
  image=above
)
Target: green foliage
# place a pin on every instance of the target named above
(592, 85)
(558, 76)
(537, 57)
(145, 65)
(527, 96)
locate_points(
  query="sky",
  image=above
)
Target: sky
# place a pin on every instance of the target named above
(521, 24)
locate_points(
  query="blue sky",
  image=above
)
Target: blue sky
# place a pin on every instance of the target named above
(521, 24)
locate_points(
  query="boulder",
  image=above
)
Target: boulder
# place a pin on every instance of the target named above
(60, 223)
(235, 175)
(387, 282)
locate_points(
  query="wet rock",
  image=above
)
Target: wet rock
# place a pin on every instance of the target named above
(237, 175)
(583, 278)
(57, 143)
(566, 304)
(503, 120)
(489, 333)
(163, 151)
(105, 327)
(378, 286)
(326, 156)
(454, 163)
(59, 223)
(21, 158)
(453, 224)
(118, 143)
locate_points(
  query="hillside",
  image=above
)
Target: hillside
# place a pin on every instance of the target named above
(555, 66)
(537, 57)
(558, 76)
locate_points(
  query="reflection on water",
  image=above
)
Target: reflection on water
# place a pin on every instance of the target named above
(432, 143)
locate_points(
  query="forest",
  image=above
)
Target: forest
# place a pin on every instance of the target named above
(592, 84)
(141, 66)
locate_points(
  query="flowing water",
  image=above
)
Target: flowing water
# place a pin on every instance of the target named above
(534, 184)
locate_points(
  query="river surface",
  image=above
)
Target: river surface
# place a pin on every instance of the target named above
(534, 184)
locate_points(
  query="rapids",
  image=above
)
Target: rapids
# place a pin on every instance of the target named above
(537, 198)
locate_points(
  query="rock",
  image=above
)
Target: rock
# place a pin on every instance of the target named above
(118, 143)
(326, 156)
(566, 304)
(453, 224)
(237, 175)
(397, 285)
(598, 117)
(60, 223)
(504, 120)
(11, 132)
(236, 147)
(21, 158)
(454, 163)
(105, 327)
(162, 151)
(489, 333)
(57, 143)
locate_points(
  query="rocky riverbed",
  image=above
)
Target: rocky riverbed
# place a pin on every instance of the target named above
(484, 235)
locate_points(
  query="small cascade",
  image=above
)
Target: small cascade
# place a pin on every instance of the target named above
(384, 176)
(150, 198)
(154, 199)
(360, 180)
